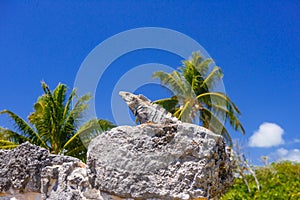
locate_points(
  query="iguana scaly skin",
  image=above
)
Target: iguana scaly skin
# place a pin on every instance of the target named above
(146, 111)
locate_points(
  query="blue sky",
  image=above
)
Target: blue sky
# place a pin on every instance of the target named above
(256, 44)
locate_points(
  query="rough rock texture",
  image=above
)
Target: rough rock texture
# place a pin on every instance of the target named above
(160, 161)
(31, 172)
(21, 167)
(68, 181)
(146, 111)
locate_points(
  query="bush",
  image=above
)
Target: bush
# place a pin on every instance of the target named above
(277, 181)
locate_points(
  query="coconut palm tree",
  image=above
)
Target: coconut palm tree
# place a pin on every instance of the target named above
(54, 124)
(194, 101)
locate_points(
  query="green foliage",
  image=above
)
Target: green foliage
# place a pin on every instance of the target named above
(194, 101)
(277, 181)
(54, 124)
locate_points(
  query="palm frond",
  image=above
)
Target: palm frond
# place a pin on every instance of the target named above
(7, 145)
(168, 103)
(215, 74)
(203, 66)
(196, 98)
(219, 98)
(24, 128)
(67, 107)
(59, 94)
(90, 130)
(105, 124)
(173, 80)
(185, 112)
(76, 113)
(227, 114)
(12, 137)
(198, 64)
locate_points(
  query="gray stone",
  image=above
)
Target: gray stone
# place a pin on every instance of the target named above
(31, 172)
(160, 161)
(68, 181)
(20, 168)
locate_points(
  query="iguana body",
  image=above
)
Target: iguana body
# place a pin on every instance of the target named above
(146, 111)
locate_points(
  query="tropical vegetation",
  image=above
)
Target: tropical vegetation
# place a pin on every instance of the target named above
(55, 124)
(194, 99)
(277, 181)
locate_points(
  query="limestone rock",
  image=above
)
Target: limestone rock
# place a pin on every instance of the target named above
(160, 161)
(31, 172)
(68, 181)
(21, 167)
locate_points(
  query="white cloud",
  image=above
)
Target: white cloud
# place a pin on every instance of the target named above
(282, 152)
(296, 140)
(268, 135)
(291, 155)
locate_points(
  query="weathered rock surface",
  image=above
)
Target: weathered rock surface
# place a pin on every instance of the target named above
(160, 161)
(21, 167)
(68, 181)
(31, 172)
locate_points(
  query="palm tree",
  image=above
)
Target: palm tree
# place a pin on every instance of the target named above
(54, 124)
(194, 101)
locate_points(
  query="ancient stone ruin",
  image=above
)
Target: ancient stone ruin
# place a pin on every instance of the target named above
(162, 158)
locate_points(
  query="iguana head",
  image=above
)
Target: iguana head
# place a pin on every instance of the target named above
(127, 96)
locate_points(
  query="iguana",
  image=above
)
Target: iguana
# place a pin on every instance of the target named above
(146, 111)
